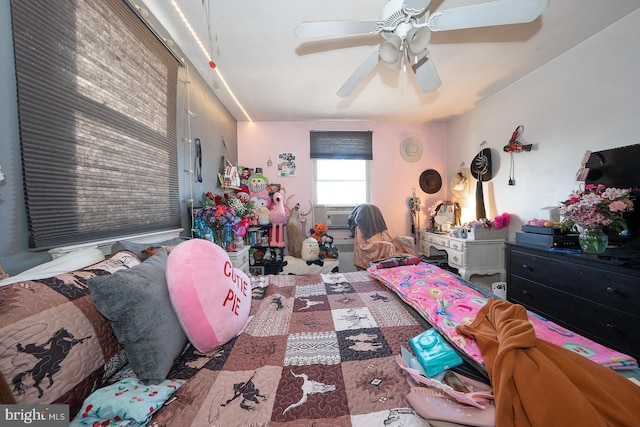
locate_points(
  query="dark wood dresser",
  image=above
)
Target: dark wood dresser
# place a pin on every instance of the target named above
(588, 295)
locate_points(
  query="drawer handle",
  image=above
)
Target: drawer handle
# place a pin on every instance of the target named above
(526, 267)
(611, 290)
(610, 326)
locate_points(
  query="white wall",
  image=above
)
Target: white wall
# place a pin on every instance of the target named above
(392, 177)
(586, 99)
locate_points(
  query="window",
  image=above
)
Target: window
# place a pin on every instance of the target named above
(97, 106)
(341, 182)
(341, 166)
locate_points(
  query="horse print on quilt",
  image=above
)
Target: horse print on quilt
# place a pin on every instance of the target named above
(54, 345)
(49, 357)
(317, 350)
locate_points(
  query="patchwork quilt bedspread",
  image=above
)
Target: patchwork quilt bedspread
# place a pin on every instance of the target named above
(317, 350)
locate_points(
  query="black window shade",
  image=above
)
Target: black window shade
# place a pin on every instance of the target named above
(97, 107)
(341, 145)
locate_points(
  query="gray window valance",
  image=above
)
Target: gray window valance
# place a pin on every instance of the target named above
(341, 145)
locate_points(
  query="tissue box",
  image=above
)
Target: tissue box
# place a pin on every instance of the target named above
(434, 352)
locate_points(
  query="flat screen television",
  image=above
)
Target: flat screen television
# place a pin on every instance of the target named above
(619, 167)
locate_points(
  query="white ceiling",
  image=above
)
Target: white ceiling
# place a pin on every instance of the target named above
(277, 77)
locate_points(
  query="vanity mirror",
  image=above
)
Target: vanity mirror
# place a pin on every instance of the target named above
(447, 215)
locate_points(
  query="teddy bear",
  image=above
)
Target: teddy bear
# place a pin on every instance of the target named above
(318, 231)
(325, 242)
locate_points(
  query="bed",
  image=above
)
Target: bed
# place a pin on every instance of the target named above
(317, 349)
(321, 350)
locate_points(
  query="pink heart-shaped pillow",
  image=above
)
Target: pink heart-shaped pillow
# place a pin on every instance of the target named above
(210, 296)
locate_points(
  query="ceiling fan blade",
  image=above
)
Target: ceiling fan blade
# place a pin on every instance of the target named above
(415, 7)
(499, 12)
(337, 28)
(361, 72)
(426, 73)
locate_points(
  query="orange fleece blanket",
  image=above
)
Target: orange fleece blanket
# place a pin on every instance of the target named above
(536, 383)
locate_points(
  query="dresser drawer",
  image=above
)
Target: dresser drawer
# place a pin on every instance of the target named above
(438, 240)
(456, 244)
(616, 290)
(455, 258)
(600, 323)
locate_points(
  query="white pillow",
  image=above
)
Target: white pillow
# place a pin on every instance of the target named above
(69, 262)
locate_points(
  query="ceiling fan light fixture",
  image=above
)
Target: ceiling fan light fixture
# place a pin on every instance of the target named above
(390, 49)
(406, 27)
(397, 65)
(418, 39)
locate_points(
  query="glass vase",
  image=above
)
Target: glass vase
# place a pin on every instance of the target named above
(229, 238)
(593, 240)
(218, 236)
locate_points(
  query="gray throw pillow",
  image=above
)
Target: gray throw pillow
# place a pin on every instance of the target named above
(136, 302)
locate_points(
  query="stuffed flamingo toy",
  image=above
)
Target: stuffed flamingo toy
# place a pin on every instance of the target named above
(278, 217)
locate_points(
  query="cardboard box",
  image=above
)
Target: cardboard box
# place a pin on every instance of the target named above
(488, 234)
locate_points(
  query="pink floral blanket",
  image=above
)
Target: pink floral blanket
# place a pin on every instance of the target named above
(445, 301)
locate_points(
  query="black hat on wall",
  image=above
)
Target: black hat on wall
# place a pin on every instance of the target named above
(481, 167)
(430, 181)
(482, 170)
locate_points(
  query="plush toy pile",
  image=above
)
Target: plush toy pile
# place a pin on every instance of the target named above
(325, 242)
(248, 199)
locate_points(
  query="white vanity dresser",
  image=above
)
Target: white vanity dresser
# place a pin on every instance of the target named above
(470, 257)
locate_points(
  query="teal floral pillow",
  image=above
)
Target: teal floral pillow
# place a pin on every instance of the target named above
(126, 403)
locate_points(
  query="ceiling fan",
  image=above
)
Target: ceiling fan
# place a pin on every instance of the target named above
(406, 27)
